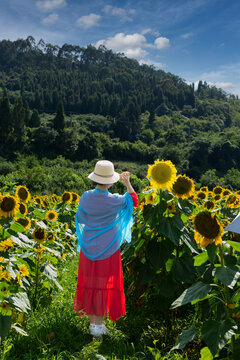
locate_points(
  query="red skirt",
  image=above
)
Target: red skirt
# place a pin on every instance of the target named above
(100, 289)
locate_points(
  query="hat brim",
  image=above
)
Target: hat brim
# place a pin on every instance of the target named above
(104, 180)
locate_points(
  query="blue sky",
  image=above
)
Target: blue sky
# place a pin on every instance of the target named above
(194, 39)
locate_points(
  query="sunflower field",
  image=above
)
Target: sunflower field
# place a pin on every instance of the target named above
(36, 233)
(180, 255)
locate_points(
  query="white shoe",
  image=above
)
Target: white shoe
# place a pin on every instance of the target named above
(98, 330)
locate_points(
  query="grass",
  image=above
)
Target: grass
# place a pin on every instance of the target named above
(57, 333)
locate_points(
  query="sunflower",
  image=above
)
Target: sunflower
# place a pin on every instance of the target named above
(202, 195)
(209, 205)
(2, 259)
(183, 187)
(210, 195)
(5, 309)
(233, 201)
(22, 193)
(7, 275)
(5, 244)
(204, 188)
(4, 289)
(75, 197)
(51, 215)
(63, 256)
(66, 226)
(237, 192)
(171, 207)
(19, 279)
(23, 270)
(54, 198)
(39, 234)
(192, 197)
(217, 190)
(26, 222)
(141, 205)
(226, 192)
(207, 229)
(235, 237)
(66, 197)
(37, 200)
(23, 208)
(68, 237)
(8, 206)
(162, 174)
(217, 197)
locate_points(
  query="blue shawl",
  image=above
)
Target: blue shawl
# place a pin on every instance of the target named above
(103, 222)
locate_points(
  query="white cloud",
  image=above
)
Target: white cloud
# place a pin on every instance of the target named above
(122, 42)
(150, 31)
(156, 64)
(50, 19)
(186, 36)
(162, 43)
(116, 11)
(49, 5)
(88, 21)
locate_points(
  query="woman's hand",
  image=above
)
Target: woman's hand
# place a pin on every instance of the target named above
(125, 176)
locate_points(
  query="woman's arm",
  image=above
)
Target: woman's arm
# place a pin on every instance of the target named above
(125, 176)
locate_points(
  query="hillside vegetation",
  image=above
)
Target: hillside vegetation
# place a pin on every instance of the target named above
(87, 103)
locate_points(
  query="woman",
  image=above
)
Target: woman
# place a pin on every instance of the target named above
(103, 222)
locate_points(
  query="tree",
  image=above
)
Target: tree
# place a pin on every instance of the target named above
(35, 119)
(59, 121)
(18, 122)
(6, 123)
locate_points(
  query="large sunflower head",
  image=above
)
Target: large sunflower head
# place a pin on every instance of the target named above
(39, 234)
(217, 197)
(208, 229)
(22, 193)
(204, 188)
(183, 187)
(8, 206)
(162, 174)
(54, 198)
(37, 200)
(66, 197)
(51, 215)
(26, 222)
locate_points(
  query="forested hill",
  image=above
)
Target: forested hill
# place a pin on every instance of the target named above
(114, 108)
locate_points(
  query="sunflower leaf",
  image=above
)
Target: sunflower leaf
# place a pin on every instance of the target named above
(228, 275)
(196, 291)
(185, 337)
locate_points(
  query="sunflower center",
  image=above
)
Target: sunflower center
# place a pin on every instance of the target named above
(22, 193)
(51, 216)
(7, 204)
(182, 186)
(66, 197)
(74, 197)
(161, 174)
(22, 208)
(40, 233)
(207, 225)
(23, 222)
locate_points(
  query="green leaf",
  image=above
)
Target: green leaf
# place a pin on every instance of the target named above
(201, 258)
(38, 214)
(234, 244)
(217, 333)
(206, 354)
(196, 291)
(170, 228)
(51, 273)
(159, 252)
(228, 275)
(187, 238)
(212, 251)
(166, 285)
(20, 302)
(5, 325)
(183, 208)
(185, 337)
(16, 227)
(183, 268)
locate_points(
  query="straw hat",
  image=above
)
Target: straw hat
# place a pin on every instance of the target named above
(104, 173)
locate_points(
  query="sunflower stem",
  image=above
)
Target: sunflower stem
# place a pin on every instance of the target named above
(227, 296)
(36, 283)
